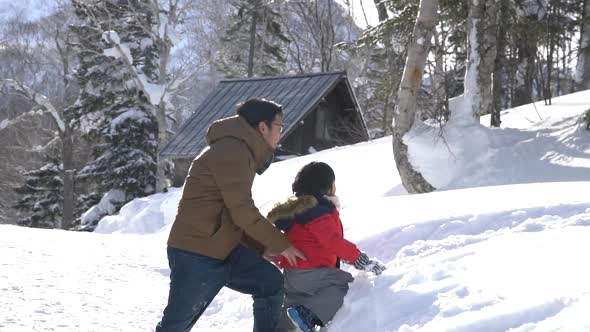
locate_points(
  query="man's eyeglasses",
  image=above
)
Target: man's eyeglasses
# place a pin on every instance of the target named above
(278, 125)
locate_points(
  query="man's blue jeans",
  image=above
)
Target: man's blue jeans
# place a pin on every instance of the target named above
(196, 279)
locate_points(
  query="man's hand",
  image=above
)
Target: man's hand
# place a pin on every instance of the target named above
(269, 256)
(291, 254)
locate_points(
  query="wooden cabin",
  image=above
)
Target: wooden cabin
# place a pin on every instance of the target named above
(320, 111)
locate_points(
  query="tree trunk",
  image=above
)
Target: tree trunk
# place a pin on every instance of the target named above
(252, 40)
(386, 119)
(165, 46)
(478, 97)
(162, 141)
(526, 53)
(583, 66)
(68, 178)
(552, 13)
(330, 36)
(67, 148)
(69, 207)
(161, 115)
(487, 53)
(497, 90)
(381, 10)
(439, 84)
(405, 113)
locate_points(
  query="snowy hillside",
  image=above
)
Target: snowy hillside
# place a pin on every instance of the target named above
(500, 246)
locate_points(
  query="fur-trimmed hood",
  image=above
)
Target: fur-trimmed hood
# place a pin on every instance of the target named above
(304, 209)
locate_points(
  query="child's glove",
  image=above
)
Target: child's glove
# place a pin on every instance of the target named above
(364, 263)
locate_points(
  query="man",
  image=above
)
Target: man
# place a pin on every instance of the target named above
(218, 235)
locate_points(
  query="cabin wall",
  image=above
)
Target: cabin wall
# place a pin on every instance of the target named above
(345, 123)
(303, 137)
(334, 122)
(181, 167)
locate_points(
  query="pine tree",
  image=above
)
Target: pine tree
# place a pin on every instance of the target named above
(253, 44)
(41, 197)
(583, 64)
(117, 59)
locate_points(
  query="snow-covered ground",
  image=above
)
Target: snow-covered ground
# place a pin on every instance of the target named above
(500, 246)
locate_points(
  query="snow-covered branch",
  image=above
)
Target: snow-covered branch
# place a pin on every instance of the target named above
(164, 34)
(8, 86)
(154, 92)
(49, 145)
(118, 50)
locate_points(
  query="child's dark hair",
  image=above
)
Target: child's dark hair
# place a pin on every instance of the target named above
(315, 178)
(258, 110)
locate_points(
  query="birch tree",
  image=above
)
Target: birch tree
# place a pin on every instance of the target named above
(167, 79)
(481, 50)
(405, 112)
(583, 65)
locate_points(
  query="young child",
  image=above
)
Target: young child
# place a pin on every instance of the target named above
(315, 288)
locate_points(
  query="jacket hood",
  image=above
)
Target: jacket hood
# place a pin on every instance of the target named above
(291, 207)
(304, 209)
(236, 127)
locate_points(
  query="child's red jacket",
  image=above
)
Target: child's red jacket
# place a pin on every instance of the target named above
(312, 224)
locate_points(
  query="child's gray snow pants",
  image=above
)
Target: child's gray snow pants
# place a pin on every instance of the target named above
(321, 290)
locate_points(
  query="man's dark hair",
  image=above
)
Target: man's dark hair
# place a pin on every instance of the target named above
(315, 178)
(258, 110)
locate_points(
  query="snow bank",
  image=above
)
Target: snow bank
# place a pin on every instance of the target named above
(107, 205)
(143, 215)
